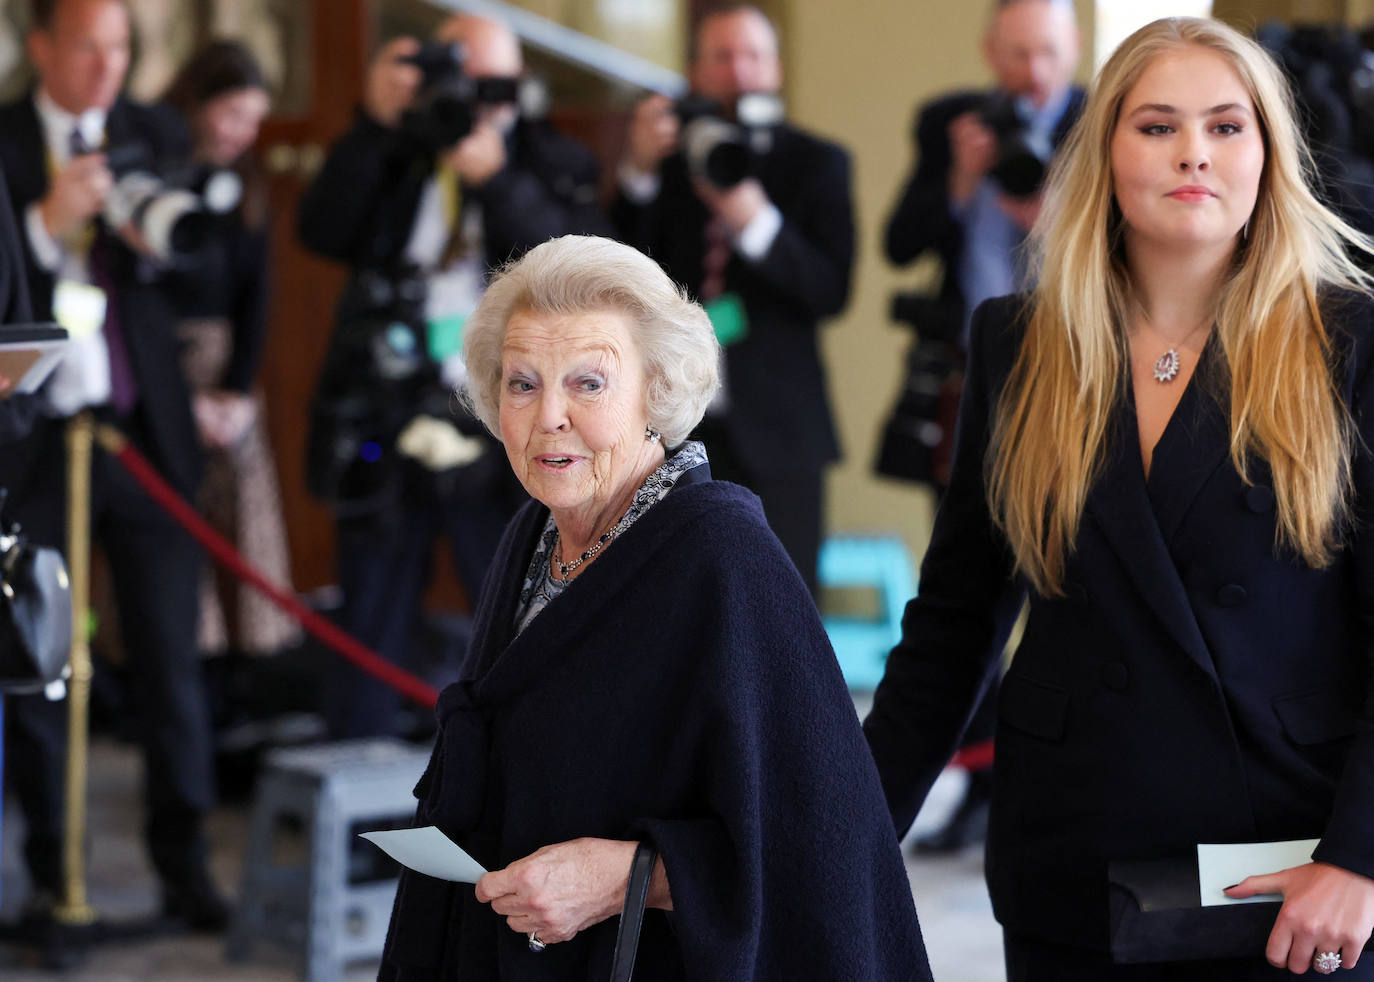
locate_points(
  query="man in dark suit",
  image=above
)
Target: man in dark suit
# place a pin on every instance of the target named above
(122, 365)
(953, 204)
(782, 243)
(395, 198)
(956, 206)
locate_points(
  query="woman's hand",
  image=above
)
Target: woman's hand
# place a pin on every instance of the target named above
(1325, 908)
(561, 889)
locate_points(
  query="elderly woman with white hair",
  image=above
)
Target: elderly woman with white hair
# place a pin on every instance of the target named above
(647, 668)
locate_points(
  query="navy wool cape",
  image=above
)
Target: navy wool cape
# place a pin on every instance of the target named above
(680, 690)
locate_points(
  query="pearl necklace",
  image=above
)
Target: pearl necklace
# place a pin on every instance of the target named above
(565, 568)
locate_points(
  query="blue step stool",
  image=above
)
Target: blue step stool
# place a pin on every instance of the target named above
(877, 568)
(313, 901)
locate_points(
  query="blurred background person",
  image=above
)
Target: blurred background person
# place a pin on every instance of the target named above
(769, 249)
(96, 277)
(223, 302)
(1165, 449)
(440, 178)
(981, 158)
(647, 666)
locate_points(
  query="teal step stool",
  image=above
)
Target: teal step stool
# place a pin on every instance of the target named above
(865, 582)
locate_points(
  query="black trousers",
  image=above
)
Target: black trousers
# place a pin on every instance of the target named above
(1032, 960)
(793, 502)
(156, 571)
(384, 568)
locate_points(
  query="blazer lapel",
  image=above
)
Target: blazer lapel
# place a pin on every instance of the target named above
(1121, 507)
(1195, 443)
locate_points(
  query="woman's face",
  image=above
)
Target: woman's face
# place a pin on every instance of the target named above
(572, 411)
(228, 125)
(1187, 153)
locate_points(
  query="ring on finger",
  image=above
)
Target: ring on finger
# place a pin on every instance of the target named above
(1326, 962)
(537, 946)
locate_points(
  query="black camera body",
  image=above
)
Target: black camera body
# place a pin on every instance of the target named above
(724, 143)
(374, 376)
(917, 440)
(173, 210)
(1023, 158)
(446, 108)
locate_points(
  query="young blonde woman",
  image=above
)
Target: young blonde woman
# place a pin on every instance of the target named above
(1167, 449)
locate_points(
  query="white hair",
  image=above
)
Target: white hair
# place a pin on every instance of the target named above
(581, 273)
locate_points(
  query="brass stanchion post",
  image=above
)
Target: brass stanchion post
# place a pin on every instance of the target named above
(73, 908)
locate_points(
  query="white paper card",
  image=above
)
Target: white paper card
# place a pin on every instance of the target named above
(427, 850)
(1219, 866)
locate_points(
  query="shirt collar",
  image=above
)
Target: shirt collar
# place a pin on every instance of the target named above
(1044, 118)
(58, 125)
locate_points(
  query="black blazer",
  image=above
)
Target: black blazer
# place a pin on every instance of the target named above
(17, 411)
(922, 219)
(1196, 684)
(162, 421)
(779, 417)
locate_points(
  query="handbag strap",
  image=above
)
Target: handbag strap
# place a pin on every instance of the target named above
(632, 916)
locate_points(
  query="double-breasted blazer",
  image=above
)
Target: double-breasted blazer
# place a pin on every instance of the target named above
(1197, 682)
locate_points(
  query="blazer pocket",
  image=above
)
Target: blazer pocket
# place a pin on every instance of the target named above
(1037, 708)
(1315, 717)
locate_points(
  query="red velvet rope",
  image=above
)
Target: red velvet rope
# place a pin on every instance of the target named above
(225, 554)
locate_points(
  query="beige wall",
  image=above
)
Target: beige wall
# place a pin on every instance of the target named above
(855, 74)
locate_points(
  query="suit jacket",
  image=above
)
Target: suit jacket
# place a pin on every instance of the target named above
(17, 412)
(161, 422)
(1195, 684)
(922, 219)
(361, 206)
(779, 416)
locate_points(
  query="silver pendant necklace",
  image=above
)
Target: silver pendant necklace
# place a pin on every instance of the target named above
(1167, 366)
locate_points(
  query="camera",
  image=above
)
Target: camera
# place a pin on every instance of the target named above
(917, 440)
(173, 211)
(723, 143)
(446, 108)
(1023, 157)
(374, 375)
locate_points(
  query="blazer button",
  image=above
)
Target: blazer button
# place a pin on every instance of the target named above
(1232, 595)
(1259, 499)
(1115, 675)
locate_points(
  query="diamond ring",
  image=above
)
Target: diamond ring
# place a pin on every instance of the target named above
(1327, 962)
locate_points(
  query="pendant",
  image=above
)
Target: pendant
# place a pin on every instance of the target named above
(1166, 368)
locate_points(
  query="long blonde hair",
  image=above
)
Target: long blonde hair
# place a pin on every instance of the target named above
(1053, 419)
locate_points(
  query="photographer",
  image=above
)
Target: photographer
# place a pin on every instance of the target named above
(975, 193)
(958, 202)
(769, 255)
(121, 364)
(439, 180)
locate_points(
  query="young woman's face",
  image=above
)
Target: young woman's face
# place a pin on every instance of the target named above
(1187, 153)
(228, 125)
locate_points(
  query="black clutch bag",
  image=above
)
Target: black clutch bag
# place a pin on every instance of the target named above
(1157, 916)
